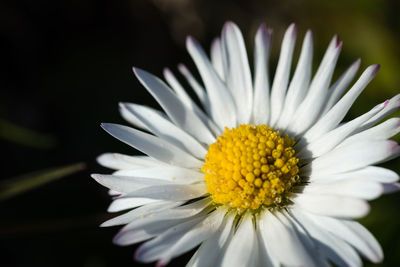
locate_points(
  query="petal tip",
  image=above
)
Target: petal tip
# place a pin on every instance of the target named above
(123, 105)
(292, 30)
(262, 27)
(229, 25)
(375, 69)
(364, 210)
(161, 263)
(117, 240)
(138, 254)
(216, 42)
(190, 41)
(309, 34)
(167, 72)
(105, 125)
(96, 176)
(386, 103)
(138, 72)
(182, 68)
(104, 224)
(356, 63)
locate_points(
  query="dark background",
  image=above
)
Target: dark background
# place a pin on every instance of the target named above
(65, 65)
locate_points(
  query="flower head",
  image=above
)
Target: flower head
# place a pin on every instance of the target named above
(257, 174)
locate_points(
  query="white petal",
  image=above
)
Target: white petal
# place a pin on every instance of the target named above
(331, 205)
(238, 77)
(189, 103)
(370, 173)
(197, 88)
(118, 161)
(176, 110)
(178, 89)
(337, 250)
(165, 129)
(358, 188)
(310, 245)
(152, 146)
(216, 57)
(331, 139)
(120, 204)
(169, 173)
(384, 130)
(265, 258)
(113, 193)
(354, 234)
(391, 188)
(281, 78)
(276, 229)
(180, 212)
(353, 156)
(332, 45)
(299, 84)
(141, 212)
(149, 226)
(222, 103)
(154, 249)
(200, 232)
(209, 250)
(261, 107)
(242, 250)
(170, 192)
(132, 119)
(126, 184)
(374, 251)
(335, 115)
(338, 88)
(311, 107)
(392, 106)
(145, 232)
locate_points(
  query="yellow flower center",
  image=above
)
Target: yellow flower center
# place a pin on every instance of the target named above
(250, 167)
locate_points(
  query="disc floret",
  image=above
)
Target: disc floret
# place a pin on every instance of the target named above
(250, 167)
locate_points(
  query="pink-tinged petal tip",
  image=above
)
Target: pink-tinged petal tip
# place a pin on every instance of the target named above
(123, 105)
(356, 63)
(339, 45)
(182, 68)
(386, 103)
(117, 240)
(376, 69)
(167, 72)
(391, 188)
(263, 27)
(190, 41)
(229, 25)
(216, 42)
(161, 263)
(138, 253)
(394, 146)
(292, 30)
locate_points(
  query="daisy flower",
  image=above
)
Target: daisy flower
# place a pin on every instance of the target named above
(255, 173)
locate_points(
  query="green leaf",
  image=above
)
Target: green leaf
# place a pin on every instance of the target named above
(26, 137)
(18, 185)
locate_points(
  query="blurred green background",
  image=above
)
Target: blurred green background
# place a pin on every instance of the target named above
(66, 64)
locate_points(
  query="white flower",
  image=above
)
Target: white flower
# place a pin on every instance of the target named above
(283, 177)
